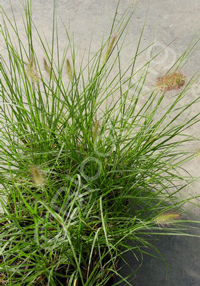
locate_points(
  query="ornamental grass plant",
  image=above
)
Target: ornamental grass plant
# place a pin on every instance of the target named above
(87, 172)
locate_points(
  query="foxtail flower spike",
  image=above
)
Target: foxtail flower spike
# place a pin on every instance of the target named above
(109, 48)
(69, 70)
(174, 80)
(95, 130)
(32, 72)
(166, 219)
(48, 69)
(38, 177)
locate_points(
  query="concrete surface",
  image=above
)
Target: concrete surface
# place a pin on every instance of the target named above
(173, 22)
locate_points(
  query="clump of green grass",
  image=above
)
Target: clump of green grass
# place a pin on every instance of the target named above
(81, 177)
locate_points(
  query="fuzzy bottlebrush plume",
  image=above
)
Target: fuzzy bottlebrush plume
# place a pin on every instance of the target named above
(166, 219)
(109, 48)
(48, 69)
(37, 176)
(69, 70)
(95, 130)
(32, 72)
(174, 80)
